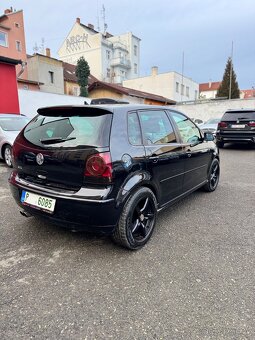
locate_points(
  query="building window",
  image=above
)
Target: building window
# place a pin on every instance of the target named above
(18, 46)
(177, 87)
(182, 89)
(108, 73)
(135, 68)
(187, 91)
(3, 39)
(75, 91)
(51, 74)
(108, 54)
(135, 50)
(195, 94)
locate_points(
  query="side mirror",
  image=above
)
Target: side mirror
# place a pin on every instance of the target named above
(208, 137)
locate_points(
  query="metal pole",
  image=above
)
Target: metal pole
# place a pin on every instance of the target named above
(182, 74)
(231, 68)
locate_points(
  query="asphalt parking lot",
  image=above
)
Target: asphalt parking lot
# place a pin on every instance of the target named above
(194, 280)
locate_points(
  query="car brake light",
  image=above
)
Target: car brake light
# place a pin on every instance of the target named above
(222, 125)
(251, 124)
(99, 165)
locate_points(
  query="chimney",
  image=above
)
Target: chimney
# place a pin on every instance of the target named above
(8, 11)
(210, 84)
(78, 20)
(47, 52)
(91, 26)
(154, 70)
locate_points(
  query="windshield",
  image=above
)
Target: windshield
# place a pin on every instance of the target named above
(13, 123)
(69, 131)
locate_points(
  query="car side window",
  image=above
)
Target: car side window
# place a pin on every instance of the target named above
(188, 130)
(134, 132)
(156, 127)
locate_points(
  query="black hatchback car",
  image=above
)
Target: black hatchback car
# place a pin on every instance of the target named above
(236, 126)
(110, 168)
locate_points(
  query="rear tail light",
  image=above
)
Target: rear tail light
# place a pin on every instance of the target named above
(222, 125)
(251, 124)
(99, 166)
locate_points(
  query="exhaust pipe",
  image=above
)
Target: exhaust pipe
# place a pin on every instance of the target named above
(24, 213)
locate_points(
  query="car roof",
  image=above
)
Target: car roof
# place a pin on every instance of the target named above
(239, 110)
(112, 108)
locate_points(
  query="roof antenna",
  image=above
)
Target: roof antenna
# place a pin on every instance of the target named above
(98, 25)
(103, 17)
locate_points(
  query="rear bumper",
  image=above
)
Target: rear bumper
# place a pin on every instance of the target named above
(78, 213)
(235, 136)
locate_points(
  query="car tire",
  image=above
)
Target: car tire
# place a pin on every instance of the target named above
(137, 220)
(220, 144)
(8, 155)
(213, 176)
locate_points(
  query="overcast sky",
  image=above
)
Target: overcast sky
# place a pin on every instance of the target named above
(202, 29)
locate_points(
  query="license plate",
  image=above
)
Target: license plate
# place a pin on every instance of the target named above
(241, 126)
(37, 201)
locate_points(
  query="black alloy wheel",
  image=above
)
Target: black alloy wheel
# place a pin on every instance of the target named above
(213, 176)
(137, 220)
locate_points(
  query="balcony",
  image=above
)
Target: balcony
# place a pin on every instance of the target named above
(120, 61)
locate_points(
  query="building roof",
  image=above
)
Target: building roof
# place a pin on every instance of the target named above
(130, 92)
(91, 28)
(10, 61)
(69, 74)
(248, 93)
(211, 86)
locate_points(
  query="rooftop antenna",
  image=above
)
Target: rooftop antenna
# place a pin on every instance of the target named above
(35, 48)
(98, 25)
(103, 17)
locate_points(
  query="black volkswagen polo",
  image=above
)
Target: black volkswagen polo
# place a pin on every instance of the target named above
(110, 168)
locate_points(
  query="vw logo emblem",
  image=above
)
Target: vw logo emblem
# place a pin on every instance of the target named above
(39, 159)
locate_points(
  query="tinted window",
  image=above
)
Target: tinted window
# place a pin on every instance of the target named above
(188, 130)
(73, 131)
(13, 123)
(156, 127)
(233, 116)
(134, 132)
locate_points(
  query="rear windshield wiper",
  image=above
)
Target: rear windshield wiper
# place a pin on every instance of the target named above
(55, 140)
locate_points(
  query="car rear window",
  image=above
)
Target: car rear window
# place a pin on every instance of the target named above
(13, 123)
(234, 115)
(72, 131)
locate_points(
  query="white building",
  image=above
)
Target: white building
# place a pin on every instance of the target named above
(170, 85)
(110, 58)
(209, 90)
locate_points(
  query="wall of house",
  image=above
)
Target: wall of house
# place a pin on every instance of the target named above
(215, 108)
(30, 101)
(164, 84)
(39, 68)
(9, 102)
(14, 21)
(71, 88)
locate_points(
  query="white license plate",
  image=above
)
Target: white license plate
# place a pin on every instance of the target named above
(37, 201)
(241, 126)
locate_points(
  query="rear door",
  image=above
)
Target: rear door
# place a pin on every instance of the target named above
(53, 148)
(164, 154)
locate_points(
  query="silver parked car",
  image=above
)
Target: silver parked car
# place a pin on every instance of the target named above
(210, 126)
(10, 126)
